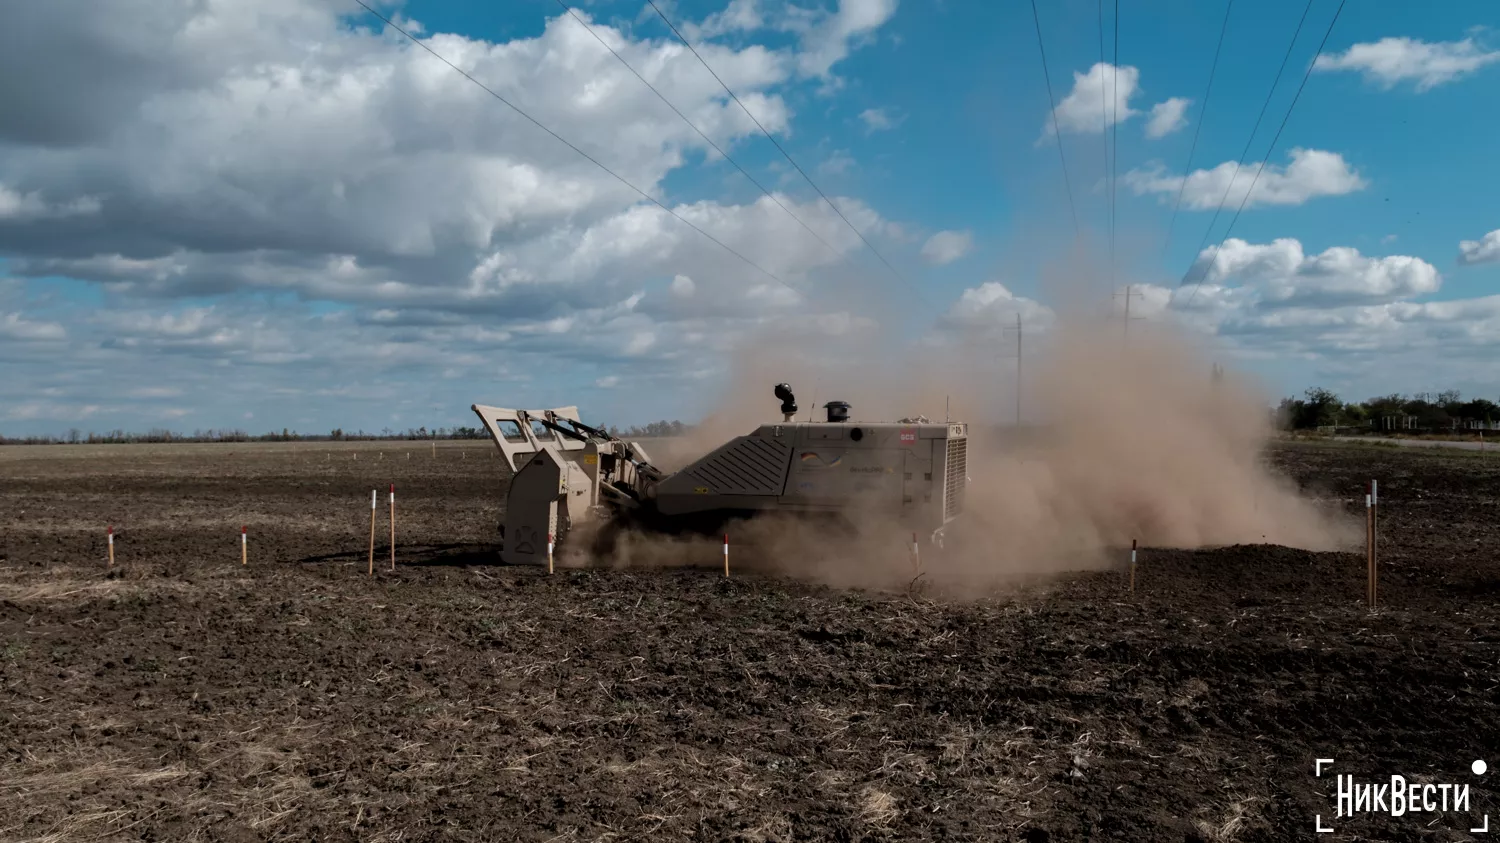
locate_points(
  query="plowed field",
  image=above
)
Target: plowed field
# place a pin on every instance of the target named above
(183, 696)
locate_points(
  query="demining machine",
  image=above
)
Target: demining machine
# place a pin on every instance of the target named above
(567, 475)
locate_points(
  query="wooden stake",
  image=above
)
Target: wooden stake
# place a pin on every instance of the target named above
(111, 547)
(916, 554)
(244, 546)
(393, 526)
(549, 553)
(372, 533)
(726, 554)
(1132, 566)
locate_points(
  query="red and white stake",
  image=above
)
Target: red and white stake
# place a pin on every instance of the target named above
(549, 553)
(1375, 540)
(393, 526)
(726, 554)
(244, 545)
(111, 540)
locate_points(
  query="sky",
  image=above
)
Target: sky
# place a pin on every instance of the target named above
(216, 214)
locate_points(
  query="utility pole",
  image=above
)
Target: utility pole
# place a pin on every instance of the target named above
(1128, 294)
(1017, 329)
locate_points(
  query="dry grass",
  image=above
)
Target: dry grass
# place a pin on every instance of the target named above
(253, 779)
(1235, 820)
(877, 808)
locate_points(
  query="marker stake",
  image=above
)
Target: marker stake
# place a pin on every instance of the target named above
(393, 526)
(726, 554)
(1132, 566)
(372, 533)
(1369, 550)
(111, 540)
(244, 545)
(549, 553)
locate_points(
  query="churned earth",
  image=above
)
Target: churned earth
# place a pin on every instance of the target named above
(184, 696)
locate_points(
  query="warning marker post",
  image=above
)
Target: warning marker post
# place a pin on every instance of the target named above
(111, 540)
(1374, 542)
(393, 526)
(1132, 566)
(372, 533)
(244, 545)
(549, 552)
(726, 554)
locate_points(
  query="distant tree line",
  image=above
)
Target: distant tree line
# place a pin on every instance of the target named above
(1448, 410)
(78, 437)
(654, 430)
(114, 437)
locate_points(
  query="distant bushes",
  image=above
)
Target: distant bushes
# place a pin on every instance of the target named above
(654, 430)
(1424, 411)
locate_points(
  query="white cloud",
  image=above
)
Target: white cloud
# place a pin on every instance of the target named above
(945, 247)
(14, 326)
(837, 163)
(1282, 275)
(1167, 117)
(31, 410)
(876, 120)
(1390, 61)
(992, 306)
(682, 286)
(738, 16)
(1088, 109)
(1484, 250)
(281, 152)
(1311, 173)
(827, 38)
(608, 382)
(20, 207)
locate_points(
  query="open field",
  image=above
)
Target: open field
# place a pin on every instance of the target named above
(185, 697)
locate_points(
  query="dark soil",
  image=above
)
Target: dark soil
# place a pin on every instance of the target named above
(183, 696)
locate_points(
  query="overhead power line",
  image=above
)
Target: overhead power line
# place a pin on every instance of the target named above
(691, 125)
(621, 179)
(1305, 76)
(1056, 130)
(1114, 131)
(1104, 125)
(772, 139)
(1198, 129)
(1245, 153)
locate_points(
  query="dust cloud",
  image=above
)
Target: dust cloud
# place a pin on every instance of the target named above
(1122, 438)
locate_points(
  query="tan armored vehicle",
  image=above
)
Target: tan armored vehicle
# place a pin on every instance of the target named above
(568, 474)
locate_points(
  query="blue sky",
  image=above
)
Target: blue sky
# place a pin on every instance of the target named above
(280, 217)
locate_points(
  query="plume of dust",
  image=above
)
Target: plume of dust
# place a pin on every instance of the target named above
(1125, 440)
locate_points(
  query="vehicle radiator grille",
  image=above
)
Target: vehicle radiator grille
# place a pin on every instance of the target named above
(956, 477)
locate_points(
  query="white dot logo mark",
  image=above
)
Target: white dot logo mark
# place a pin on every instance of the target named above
(1479, 767)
